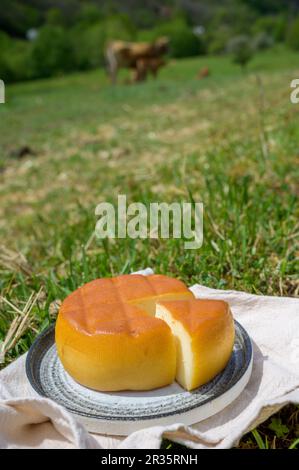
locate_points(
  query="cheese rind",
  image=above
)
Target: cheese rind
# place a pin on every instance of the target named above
(107, 338)
(140, 358)
(204, 332)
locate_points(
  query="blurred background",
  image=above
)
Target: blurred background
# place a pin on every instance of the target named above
(47, 38)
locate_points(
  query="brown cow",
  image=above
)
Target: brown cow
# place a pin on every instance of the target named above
(146, 66)
(140, 57)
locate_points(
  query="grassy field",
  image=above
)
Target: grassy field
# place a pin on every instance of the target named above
(230, 141)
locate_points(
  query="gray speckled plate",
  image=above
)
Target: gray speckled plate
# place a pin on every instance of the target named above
(121, 413)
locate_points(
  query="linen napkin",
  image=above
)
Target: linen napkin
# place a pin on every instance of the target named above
(30, 421)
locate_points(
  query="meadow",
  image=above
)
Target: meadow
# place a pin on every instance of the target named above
(230, 140)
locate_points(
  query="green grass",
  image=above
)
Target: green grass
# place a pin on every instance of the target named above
(230, 141)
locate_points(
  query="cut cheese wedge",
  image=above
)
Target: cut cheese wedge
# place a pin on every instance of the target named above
(108, 339)
(136, 332)
(204, 333)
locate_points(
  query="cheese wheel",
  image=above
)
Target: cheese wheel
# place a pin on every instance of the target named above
(204, 332)
(108, 339)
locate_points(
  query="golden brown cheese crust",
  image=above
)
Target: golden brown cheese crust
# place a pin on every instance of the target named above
(108, 338)
(107, 343)
(103, 305)
(197, 314)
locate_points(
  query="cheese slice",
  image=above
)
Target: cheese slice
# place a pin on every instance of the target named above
(204, 333)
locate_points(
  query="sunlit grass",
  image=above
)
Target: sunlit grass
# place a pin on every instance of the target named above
(230, 141)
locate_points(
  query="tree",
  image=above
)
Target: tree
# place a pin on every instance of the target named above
(241, 49)
(52, 52)
(293, 35)
(183, 41)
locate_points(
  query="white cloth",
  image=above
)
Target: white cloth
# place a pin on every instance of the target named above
(29, 421)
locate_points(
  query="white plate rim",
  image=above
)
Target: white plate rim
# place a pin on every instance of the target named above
(125, 426)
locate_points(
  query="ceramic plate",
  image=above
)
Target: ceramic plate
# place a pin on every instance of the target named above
(121, 413)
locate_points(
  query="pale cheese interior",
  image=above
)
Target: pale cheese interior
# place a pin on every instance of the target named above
(184, 354)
